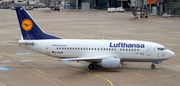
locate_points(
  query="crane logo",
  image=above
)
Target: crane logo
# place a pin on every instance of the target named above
(27, 24)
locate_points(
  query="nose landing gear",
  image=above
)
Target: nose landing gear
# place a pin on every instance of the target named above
(153, 66)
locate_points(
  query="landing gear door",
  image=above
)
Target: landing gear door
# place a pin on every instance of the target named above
(47, 48)
(148, 50)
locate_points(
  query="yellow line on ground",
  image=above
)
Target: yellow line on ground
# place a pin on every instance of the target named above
(56, 62)
(93, 74)
(5, 32)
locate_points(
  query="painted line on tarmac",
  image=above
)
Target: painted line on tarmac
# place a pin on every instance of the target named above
(5, 69)
(11, 65)
(55, 62)
(2, 84)
(6, 54)
(99, 32)
(93, 74)
(5, 32)
(25, 53)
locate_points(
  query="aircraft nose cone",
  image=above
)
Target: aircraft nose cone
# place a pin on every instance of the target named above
(171, 54)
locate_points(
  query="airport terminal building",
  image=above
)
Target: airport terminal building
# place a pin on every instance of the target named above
(158, 7)
(161, 6)
(97, 4)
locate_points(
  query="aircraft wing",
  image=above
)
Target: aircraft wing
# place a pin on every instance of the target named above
(86, 58)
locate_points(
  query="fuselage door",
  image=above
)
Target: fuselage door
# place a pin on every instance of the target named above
(148, 50)
(47, 48)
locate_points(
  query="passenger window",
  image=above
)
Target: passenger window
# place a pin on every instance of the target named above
(68, 48)
(115, 49)
(137, 49)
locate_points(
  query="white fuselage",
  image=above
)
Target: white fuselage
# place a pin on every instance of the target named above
(126, 50)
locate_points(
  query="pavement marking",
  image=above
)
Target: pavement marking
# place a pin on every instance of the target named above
(56, 62)
(145, 78)
(2, 84)
(173, 67)
(5, 61)
(93, 74)
(11, 65)
(25, 53)
(6, 54)
(5, 32)
(92, 34)
(26, 60)
(5, 69)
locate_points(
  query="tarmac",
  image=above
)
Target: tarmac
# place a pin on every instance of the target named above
(36, 69)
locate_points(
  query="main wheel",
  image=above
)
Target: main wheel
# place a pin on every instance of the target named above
(91, 66)
(153, 66)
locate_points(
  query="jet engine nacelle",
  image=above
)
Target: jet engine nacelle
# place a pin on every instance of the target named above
(111, 63)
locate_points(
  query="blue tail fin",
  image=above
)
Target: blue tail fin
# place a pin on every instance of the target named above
(30, 30)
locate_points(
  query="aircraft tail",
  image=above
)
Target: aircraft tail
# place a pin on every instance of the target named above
(29, 29)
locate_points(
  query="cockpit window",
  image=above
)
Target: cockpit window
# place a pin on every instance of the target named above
(161, 49)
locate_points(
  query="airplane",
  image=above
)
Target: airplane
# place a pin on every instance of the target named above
(103, 53)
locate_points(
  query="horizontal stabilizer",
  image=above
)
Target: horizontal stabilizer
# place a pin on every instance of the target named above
(22, 42)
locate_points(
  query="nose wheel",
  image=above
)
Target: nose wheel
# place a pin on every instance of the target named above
(152, 66)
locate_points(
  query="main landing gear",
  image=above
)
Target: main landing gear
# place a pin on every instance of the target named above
(91, 66)
(152, 66)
